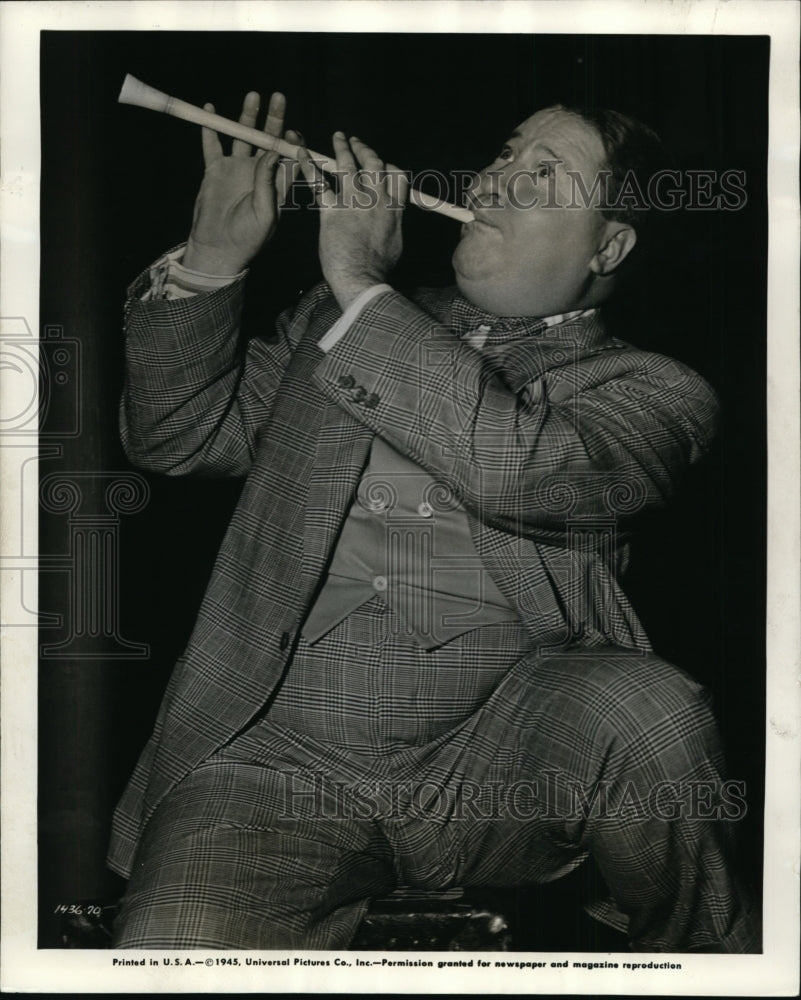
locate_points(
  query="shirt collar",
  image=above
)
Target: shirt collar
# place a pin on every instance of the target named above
(480, 327)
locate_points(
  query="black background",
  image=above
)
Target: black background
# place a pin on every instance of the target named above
(118, 185)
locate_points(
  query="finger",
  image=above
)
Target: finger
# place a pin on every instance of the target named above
(345, 161)
(323, 194)
(276, 110)
(264, 184)
(250, 110)
(397, 185)
(295, 138)
(288, 170)
(371, 166)
(285, 176)
(367, 157)
(212, 148)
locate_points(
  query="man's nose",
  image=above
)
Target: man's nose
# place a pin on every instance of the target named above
(489, 192)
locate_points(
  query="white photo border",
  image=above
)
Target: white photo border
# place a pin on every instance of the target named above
(773, 973)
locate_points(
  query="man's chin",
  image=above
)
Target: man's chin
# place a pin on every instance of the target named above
(469, 263)
(468, 259)
(470, 284)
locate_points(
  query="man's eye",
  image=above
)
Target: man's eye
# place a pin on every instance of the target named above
(544, 170)
(506, 153)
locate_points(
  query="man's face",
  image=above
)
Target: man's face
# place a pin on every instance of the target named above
(518, 260)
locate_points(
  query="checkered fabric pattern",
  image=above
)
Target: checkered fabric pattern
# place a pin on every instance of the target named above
(551, 441)
(370, 688)
(466, 316)
(424, 772)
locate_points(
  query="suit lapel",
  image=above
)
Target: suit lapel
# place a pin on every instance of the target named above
(343, 447)
(340, 454)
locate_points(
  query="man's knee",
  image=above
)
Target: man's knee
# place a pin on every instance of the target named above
(622, 702)
(615, 668)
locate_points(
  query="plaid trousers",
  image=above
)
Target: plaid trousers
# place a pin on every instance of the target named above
(382, 763)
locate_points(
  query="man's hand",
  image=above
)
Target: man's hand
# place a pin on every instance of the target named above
(240, 199)
(360, 227)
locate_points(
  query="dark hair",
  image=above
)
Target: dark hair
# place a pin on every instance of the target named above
(634, 153)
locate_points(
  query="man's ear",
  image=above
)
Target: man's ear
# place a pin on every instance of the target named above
(618, 244)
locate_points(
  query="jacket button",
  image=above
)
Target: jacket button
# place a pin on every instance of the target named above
(284, 641)
(371, 401)
(347, 381)
(358, 394)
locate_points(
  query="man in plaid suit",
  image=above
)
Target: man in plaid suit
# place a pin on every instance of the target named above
(413, 663)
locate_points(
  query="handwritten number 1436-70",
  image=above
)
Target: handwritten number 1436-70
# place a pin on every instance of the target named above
(78, 909)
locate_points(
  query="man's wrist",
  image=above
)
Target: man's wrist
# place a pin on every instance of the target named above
(212, 261)
(347, 288)
(349, 315)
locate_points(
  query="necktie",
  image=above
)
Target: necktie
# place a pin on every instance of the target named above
(480, 328)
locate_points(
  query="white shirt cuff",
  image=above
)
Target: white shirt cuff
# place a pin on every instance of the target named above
(346, 320)
(169, 279)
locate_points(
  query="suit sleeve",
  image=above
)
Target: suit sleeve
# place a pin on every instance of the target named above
(194, 400)
(611, 437)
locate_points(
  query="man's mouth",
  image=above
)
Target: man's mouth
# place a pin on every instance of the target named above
(479, 220)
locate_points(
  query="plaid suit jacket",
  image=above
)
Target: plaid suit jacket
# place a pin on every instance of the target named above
(551, 443)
